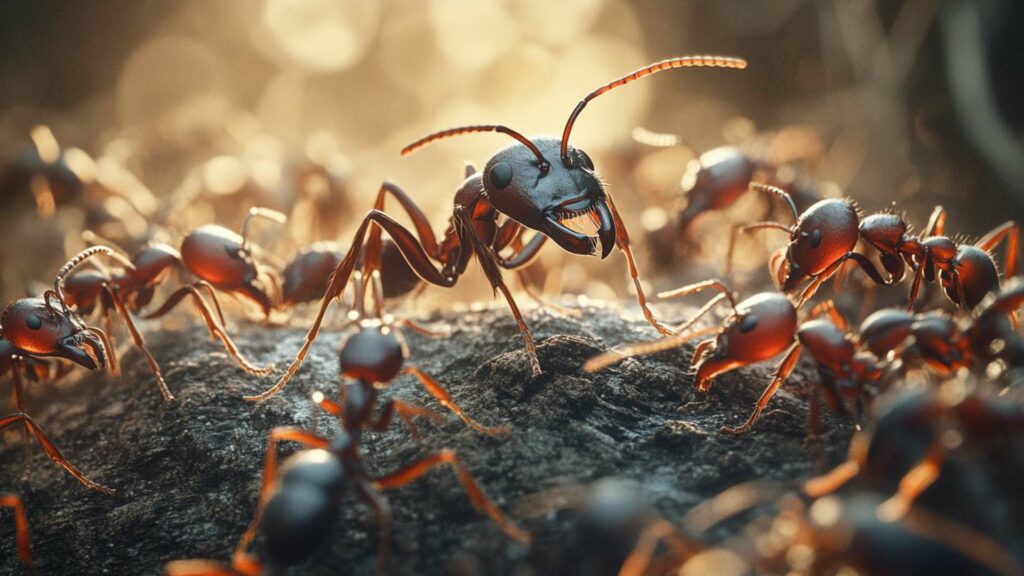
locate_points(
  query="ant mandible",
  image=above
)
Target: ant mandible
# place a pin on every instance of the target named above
(520, 183)
(300, 499)
(47, 327)
(24, 548)
(759, 328)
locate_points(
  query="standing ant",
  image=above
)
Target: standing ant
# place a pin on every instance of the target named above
(759, 328)
(47, 327)
(562, 200)
(24, 547)
(129, 289)
(300, 500)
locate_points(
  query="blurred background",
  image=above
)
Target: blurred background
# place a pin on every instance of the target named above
(182, 113)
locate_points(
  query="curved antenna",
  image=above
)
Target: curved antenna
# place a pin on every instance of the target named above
(769, 189)
(259, 212)
(682, 62)
(544, 165)
(653, 139)
(58, 280)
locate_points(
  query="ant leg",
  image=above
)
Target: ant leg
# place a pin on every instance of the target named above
(489, 264)
(524, 282)
(382, 508)
(140, 342)
(699, 350)
(8, 500)
(610, 357)
(659, 530)
(915, 285)
(280, 434)
(784, 369)
(622, 241)
(205, 568)
(913, 483)
(936, 223)
(414, 254)
(52, 450)
(697, 287)
(476, 495)
(866, 265)
(830, 482)
(509, 231)
(829, 307)
(212, 292)
(522, 256)
(215, 328)
(406, 412)
(737, 230)
(437, 391)
(19, 406)
(777, 267)
(108, 327)
(1011, 232)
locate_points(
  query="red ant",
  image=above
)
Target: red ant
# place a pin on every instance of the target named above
(220, 258)
(520, 183)
(47, 327)
(759, 328)
(300, 500)
(940, 417)
(12, 501)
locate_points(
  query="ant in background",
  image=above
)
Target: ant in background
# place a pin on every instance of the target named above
(47, 327)
(220, 258)
(760, 328)
(543, 184)
(301, 499)
(24, 547)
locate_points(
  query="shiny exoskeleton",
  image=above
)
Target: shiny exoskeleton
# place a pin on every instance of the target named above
(542, 184)
(907, 446)
(129, 289)
(967, 272)
(758, 329)
(24, 547)
(300, 501)
(46, 327)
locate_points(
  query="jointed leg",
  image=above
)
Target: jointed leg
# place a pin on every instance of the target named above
(660, 530)
(1011, 232)
(866, 265)
(781, 373)
(737, 230)
(829, 307)
(442, 396)
(610, 357)
(476, 495)
(913, 483)
(724, 293)
(840, 475)
(52, 450)
(140, 343)
(380, 506)
(406, 412)
(936, 223)
(20, 527)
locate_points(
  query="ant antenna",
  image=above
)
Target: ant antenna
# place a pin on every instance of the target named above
(684, 61)
(259, 212)
(769, 189)
(544, 165)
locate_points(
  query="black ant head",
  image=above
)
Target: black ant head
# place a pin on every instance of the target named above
(41, 330)
(374, 354)
(563, 200)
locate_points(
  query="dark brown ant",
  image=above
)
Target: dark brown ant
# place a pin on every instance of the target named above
(300, 500)
(967, 272)
(46, 327)
(760, 328)
(43, 169)
(24, 546)
(521, 183)
(910, 441)
(130, 289)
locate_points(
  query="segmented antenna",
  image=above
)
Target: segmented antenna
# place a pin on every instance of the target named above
(682, 62)
(544, 165)
(769, 189)
(647, 137)
(259, 212)
(58, 280)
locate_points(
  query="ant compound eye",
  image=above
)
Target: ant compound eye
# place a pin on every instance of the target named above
(500, 175)
(33, 322)
(815, 238)
(748, 323)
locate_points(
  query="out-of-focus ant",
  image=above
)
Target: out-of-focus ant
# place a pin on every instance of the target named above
(24, 547)
(220, 258)
(43, 168)
(911, 438)
(542, 184)
(760, 328)
(47, 327)
(300, 500)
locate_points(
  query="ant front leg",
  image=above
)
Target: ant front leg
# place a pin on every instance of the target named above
(215, 328)
(13, 502)
(522, 256)
(476, 495)
(913, 484)
(622, 241)
(782, 372)
(139, 341)
(52, 450)
(438, 392)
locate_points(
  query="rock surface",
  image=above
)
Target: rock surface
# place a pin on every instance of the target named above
(188, 472)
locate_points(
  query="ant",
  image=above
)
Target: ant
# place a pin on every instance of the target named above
(941, 342)
(218, 257)
(47, 327)
(44, 169)
(24, 547)
(300, 499)
(760, 328)
(561, 199)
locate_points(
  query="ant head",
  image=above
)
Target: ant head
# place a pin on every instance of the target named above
(822, 235)
(31, 325)
(565, 201)
(374, 354)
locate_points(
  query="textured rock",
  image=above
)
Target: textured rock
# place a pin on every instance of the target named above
(188, 472)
